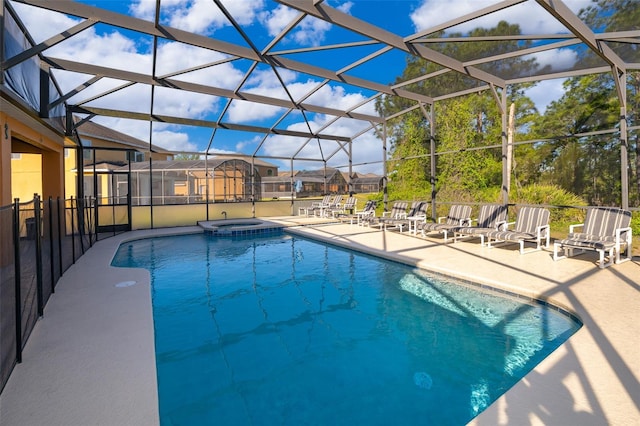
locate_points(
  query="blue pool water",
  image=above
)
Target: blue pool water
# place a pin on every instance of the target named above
(283, 330)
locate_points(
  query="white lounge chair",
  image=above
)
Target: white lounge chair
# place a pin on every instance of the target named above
(459, 215)
(398, 211)
(531, 225)
(417, 214)
(367, 214)
(316, 205)
(605, 230)
(341, 210)
(491, 217)
(333, 204)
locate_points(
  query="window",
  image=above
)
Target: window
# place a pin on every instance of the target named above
(135, 156)
(269, 172)
(16, 156)
(86, 153)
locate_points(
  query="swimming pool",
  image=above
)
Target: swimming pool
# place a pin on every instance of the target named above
(283, 330)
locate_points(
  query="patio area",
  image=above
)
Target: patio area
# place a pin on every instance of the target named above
(90, 359)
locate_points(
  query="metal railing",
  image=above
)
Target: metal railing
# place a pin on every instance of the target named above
(40, 241)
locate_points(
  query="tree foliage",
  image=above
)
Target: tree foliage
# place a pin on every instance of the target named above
(578, 154)
(463, 124)
(409, 174)
(590, 165)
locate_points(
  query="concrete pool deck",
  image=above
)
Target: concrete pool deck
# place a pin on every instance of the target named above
(90, 359)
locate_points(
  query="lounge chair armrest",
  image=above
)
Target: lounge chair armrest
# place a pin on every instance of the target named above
(402, 216)
(417, 216)
(542, 230)
(466, 221)
(385, 214)
(621, 231)
(441, 219)
(502, 225)
(572, 227)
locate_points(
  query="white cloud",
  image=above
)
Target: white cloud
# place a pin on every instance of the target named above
(108, 49)
(173, 57)
(277, 19)
(183, 104)
(243, 146)
(530, 16)
(328, 95)
(145, 9)
(200, 16)
(163, 135)
(251, 112)
(557, 59)
(545, 92)
(43, 23)
(115, 49)
(174, 141)
(336, 97)
(366, 148)
(309, 32)
(133, 128)
(345, 7)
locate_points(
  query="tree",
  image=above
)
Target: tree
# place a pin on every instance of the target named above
(408, 173)
(585, 165)
(590, 165)
(462, 124)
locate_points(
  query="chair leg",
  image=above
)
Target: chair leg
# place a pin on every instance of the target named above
(555, 252)
(601, 263)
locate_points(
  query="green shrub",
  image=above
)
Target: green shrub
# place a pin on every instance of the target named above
(635, 224)
(551, 195)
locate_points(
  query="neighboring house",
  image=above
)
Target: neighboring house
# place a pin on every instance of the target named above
(316, 182)
(264, 168)
(192, 181)
(363, 184)
(104, 152)
(277, 187)
(109, 157)
(311, 183)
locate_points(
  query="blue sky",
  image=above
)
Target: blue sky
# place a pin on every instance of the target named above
(262, 20)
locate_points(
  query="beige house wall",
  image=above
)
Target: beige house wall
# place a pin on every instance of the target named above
(70, 189)
(23, 134)
(26, 176)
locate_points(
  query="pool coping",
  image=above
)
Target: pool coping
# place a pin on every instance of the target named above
(244, 227)
(91, 359)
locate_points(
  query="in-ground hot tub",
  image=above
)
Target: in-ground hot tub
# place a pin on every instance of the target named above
(239, 227)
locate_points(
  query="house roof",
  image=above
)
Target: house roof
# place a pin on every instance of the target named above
(367, 179)
(319, 173)
(255, 160)
(180, 165)
(90, 129)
